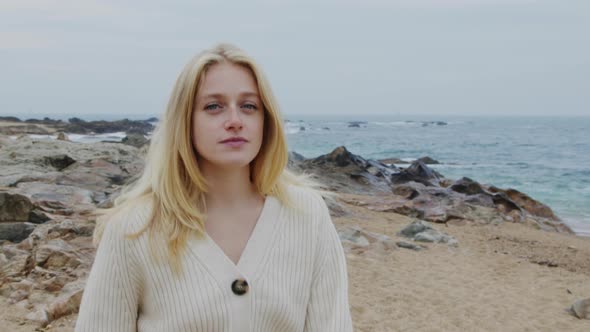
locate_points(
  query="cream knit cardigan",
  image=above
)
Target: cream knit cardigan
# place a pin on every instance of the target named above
(293, 263)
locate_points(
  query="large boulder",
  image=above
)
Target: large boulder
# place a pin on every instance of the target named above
(14, 207)
(527, 203)
(15, 231)
(467, 186)
(98, 166)
(18, 216)
(345, 172)
(417, 172)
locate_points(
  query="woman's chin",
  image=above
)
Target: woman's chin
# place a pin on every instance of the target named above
(232, 163)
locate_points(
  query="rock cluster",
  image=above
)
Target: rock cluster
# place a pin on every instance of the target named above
(421, 231)
(48, 126)
(48, 193)
(421, 192)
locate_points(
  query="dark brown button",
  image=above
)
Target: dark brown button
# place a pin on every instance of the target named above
(239, 287)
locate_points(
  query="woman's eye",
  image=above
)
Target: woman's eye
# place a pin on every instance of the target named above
(211, 107)
(251, 106)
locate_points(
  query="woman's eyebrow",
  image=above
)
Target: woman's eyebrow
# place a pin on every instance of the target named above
(211, 95)
(219, 95)
(250, 94)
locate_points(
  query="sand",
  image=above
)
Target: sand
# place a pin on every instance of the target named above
(488, 283)
(509, 277)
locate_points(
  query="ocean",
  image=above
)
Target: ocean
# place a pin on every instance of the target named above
(547, 158)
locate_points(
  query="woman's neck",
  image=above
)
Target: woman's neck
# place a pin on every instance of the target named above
(228, 187)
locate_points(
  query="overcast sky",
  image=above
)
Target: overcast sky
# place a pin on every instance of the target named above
(398, 57)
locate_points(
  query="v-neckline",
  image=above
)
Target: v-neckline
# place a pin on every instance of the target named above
(219, 264)
(248, 241)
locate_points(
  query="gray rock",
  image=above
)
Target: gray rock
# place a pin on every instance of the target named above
(420, 231)
(408, 190)
(357, 238)
(37, 217)
(467, 186)
(429, 235)
(77, 198)
(344, 172)
(135, 139)
(428, 161)
(354, 236)
(15, 231)
(393, 161)
(59, 162)
(411, 246)
(432, 235)
(414, 228)
(14, 207)
(417, 172)
(581, 308)
(481, 200)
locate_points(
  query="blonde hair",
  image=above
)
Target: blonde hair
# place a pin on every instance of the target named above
(171, 180)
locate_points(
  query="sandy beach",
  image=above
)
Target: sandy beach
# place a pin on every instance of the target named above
(489, 282)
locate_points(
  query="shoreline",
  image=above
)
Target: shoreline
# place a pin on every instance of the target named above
(578, 227)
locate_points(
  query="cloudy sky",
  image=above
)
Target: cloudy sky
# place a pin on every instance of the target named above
(332, 57)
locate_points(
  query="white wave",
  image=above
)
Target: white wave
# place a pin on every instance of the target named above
(293, 128)
(40, 137)
(81, 138)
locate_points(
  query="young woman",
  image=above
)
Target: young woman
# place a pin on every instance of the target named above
(216, 234)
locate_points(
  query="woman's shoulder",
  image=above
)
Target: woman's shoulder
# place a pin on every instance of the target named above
(309, 203)
(130, 218)
(305, 196)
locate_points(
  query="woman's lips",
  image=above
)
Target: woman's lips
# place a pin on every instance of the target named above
(235, 141)
(234, 144)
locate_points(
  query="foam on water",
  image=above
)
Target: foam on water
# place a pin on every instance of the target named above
(111, 137)
(294, 127)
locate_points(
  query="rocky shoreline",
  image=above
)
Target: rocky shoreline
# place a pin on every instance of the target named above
(49, 189)
(10, 125)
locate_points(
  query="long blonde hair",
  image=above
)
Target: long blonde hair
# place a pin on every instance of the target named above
(171, 180)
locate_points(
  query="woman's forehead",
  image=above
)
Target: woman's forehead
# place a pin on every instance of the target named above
(228, 79)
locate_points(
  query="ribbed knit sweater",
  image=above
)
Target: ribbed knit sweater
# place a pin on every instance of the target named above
(293, 264)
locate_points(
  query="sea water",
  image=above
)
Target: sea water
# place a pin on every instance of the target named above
(547, 158)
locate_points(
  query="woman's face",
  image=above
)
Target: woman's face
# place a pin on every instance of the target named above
(228, 106)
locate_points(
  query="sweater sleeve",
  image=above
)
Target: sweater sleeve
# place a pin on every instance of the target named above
(328, 309)
(111, 295)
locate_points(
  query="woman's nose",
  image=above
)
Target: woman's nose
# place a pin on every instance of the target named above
(234, 121)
